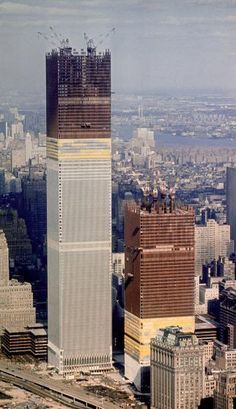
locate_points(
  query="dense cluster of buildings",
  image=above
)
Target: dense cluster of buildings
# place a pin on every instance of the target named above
(170, 284)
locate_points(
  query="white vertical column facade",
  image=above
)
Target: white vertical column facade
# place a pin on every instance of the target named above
(79, 254)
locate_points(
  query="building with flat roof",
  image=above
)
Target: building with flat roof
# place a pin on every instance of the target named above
(16, 299)
(206, 329)
(228, 317)
(78, 88)
(225, 392)
(211, 241)
(230, 200)
(177, 370)
(159, 278)
(30, 340)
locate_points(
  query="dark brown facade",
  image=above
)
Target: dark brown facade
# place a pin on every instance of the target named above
(159, 261)
(78, 94)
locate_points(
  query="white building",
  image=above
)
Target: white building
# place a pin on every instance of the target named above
(211, 241)
(144, 137)
(17, 130)
(118, 264)
(28, 148)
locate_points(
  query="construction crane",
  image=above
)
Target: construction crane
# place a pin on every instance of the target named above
(54, 39)
(107, 35)
(64, 42)
(90, 43)
(91, 46)
(47, 38)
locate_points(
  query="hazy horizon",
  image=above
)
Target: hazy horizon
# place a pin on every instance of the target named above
(158, 45)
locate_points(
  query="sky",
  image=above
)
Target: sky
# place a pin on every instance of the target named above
(158, 45)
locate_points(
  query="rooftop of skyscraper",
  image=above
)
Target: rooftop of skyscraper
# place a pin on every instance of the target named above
(159, 205)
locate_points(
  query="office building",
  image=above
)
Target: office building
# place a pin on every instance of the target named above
(28, 148)
(118, 266)
(30, 340)
(34, 207)
(211, 241)
(208, 297)
(17, 130)
(206, 329)
(225, 357)
(16, 299)
(79, 209)
(14, 227)
(230, 200)
(177, 370)
(225, 392)
(217, 269)
(228, 317)
(159, 278)
(4, 128)
(143, 138)
(17, 154)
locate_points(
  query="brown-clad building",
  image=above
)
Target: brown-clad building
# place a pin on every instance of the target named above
(159, 273)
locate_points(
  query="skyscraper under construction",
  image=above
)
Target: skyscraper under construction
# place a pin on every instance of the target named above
(79, 209)
(159, 273)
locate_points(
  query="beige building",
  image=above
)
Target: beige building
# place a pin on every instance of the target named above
(211, 241)
(4, 259)
(210, 385)
(16, 299)
(177, 370)
(208, 350)
(225, 356)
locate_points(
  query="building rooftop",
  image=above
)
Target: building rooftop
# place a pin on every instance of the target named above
(228, 298)
(205, 322)
(173, 336)
(36, 329)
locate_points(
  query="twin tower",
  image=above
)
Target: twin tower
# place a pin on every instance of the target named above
(159, 240)
(79, 210)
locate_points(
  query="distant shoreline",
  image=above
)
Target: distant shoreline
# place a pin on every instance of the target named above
(169, 139)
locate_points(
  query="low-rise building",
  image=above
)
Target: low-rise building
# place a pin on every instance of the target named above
(31, 340)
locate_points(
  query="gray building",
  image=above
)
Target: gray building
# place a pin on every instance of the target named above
(34, 207)
(79, 210)
(231, 201)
